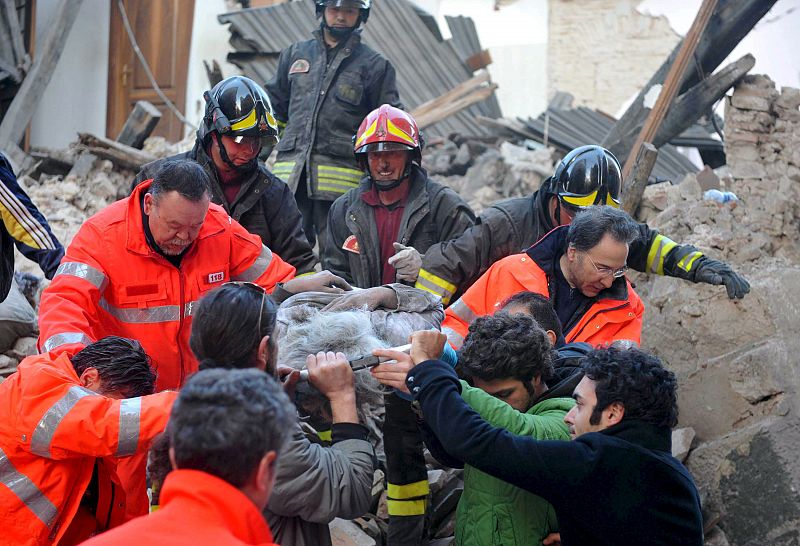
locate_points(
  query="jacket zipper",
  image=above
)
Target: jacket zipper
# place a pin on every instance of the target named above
(180, 324)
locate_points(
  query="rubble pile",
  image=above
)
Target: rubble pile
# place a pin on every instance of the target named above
(736, 360)
(483, 173)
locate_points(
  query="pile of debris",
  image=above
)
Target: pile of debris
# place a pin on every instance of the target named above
(736, 360)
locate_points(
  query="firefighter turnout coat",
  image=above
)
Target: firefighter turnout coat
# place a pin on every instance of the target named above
(321, 103)
(111, 282)
(615, 314)
(52, 430)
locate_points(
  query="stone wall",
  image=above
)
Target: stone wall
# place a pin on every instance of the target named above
(737, 361)
(604, 51)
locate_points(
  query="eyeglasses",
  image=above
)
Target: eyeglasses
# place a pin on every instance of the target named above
(606, 271)
(257, 288)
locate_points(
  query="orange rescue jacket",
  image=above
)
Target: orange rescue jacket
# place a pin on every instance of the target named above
(196, 508)
(610, 318)
(111, 282)
(52, 430)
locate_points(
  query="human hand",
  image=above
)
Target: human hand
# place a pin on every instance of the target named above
(715, 272)
(289, 378)
(407, 261)
(393, 374)
(371, 298)
(324, 281)
(553, 539)
(332, 375)
(427, 345)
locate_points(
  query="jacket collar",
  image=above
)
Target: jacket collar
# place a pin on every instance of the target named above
(212, 500)
(642, 434)
(136, 241)
(548, 250)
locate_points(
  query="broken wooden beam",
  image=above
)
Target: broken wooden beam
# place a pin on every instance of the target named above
(480, 60)
(21, 109)
(140, 124)
(672, 83)
(119, 154)
(731, 21)
(462, 96)
(8, 13)
(634, 185)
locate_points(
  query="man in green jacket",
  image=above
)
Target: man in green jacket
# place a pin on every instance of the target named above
(508, 359)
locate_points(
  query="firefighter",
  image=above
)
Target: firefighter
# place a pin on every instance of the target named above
(321, 91)
(238, 121)
(589, 175)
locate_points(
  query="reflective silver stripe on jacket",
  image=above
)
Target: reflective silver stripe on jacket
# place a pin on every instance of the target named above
(65, 338)
(46, 429)
(27, 492)
(130, 411)
(162, 313)
(455, 339)
(258, 268)
(83, 271)
(463, 311)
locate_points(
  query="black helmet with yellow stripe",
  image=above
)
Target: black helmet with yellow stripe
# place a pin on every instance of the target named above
(588, 175)
(239, 107)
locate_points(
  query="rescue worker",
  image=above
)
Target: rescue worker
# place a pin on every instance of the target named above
(589, 175)
(580, 268)
(224, 474)
(321, 91)
(62, 423)
(376, 235)
(238, 121)
(379, 231)
(26, 228)
(138, 267)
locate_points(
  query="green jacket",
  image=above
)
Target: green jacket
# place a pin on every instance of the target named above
(492, 512)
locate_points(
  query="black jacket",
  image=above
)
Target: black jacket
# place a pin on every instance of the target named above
(264, 206)
(620, 486)
(322, 102)
(433, 213)
(513, 225)
(26, 228)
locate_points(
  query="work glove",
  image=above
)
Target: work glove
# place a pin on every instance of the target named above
(407, 261)
(715, 272)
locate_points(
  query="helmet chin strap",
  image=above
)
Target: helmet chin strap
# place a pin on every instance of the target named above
(339, 34)
(247, 167)
(388, 185)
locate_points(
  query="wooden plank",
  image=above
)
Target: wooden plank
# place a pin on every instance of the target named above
(452, 107)
(458, 91)
(732, 20)
(21, 109)
(633, 186)
(9, 14)
(480, 60)
(140, 124)
(673, 81)
(124, 156)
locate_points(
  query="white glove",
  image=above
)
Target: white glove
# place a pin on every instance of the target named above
(407, 262)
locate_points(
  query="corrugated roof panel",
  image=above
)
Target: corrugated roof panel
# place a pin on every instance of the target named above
(426, 67)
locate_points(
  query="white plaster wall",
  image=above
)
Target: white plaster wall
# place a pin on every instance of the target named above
(209, 42)
(76, 97)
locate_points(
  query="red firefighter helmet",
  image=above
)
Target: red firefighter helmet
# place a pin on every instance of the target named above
(388, 128)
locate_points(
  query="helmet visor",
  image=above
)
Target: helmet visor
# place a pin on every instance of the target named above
(384, 147)
(358, 4)
(584, 187)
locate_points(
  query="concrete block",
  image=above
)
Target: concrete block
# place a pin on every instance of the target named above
(682, 442)
(347, 533)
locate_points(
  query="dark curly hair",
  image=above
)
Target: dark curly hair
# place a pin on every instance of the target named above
(506, 346)
(635, 379)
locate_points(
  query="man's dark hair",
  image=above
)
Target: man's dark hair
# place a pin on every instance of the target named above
(184, 176)
(225, 421)
(506, 346)
(225, 326)
(539, 307)
(121, 363)
(592, 223)
(635, 379)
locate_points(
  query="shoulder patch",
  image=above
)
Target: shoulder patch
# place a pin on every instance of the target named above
(351, 245)
(300, 66)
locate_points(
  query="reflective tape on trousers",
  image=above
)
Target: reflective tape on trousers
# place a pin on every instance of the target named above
(259, 267)
(83, 271)
(46, 429)
(65, 338)
(27, 492)
(130, 411)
